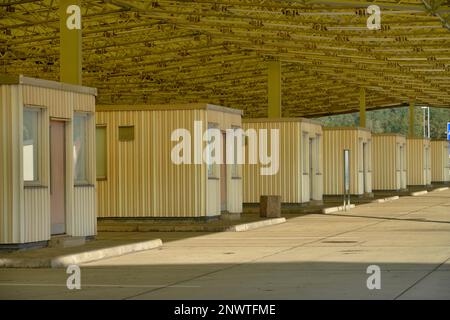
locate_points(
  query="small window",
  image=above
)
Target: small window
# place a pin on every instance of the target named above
(80, 148)
(126, 133)
(30, 144)
(101, 152)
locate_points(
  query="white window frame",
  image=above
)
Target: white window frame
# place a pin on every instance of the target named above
(36, 152)
(86, 149)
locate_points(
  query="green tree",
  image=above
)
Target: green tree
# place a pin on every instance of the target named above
(394, 120)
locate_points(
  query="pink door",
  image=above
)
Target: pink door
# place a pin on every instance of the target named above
(57, 177)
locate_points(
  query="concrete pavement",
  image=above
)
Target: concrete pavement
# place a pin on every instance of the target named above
(319, 256)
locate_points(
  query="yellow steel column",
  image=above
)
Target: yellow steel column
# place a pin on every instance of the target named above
(274, 89)
(70, 41)
(411, 118)
(362, 107)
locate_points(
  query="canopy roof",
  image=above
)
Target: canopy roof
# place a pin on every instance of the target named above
(216, 51)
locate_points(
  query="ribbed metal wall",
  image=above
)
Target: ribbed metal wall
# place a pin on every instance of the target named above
(84, 217)
(58, 103)
(387, 173)
(83, 102)
(440, 161)
(335, 141)
(289, 178)
(418, 173)
(11, 184)
(25, 210)
(234, 195)
(37, 214)
(141, 179)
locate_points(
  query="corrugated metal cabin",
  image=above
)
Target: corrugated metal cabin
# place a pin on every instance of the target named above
(136, 177)
(389, 161)
(299, 178)
(359, 142)
(440, 161)
(419, 161)
(47, 160)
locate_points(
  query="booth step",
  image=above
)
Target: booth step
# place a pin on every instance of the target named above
(66, 241)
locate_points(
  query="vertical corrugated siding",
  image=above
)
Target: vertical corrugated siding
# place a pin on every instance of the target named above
(213, 205)
(85, 218)
(416, 171)
(385, 161)
(25, 211)
(37, 214)
(7, 130)
(233, 186)
(440, 162)
(289, 179)
(335, 141)
(59, 103)
(11, 214)
(83, 102)
(141, 180)
(314, 131)
(234, 194)
(83, 206)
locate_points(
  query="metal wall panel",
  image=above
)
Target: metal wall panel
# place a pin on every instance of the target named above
(58, 103)
(11, 184)
(290, 177)
(141, 179)
(25, 210)
(418, 161)
(387, 170)
(37, 214)
(440, 161)
(335, 141)
(234, 184)
(84, 222)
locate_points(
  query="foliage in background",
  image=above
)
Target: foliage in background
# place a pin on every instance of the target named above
(394, 120)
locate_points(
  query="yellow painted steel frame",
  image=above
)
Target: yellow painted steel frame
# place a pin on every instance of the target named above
(165, 51)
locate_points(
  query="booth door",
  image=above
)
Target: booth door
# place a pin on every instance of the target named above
(57, 177)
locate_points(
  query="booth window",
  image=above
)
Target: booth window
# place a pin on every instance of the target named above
(101, 152)
(30, 144)
(80, 148)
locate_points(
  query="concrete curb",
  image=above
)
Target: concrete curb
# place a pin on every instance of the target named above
(336, 209)
(78, 258)
(440, 189)
(255, 225)
(386, 199)
(419, 193)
